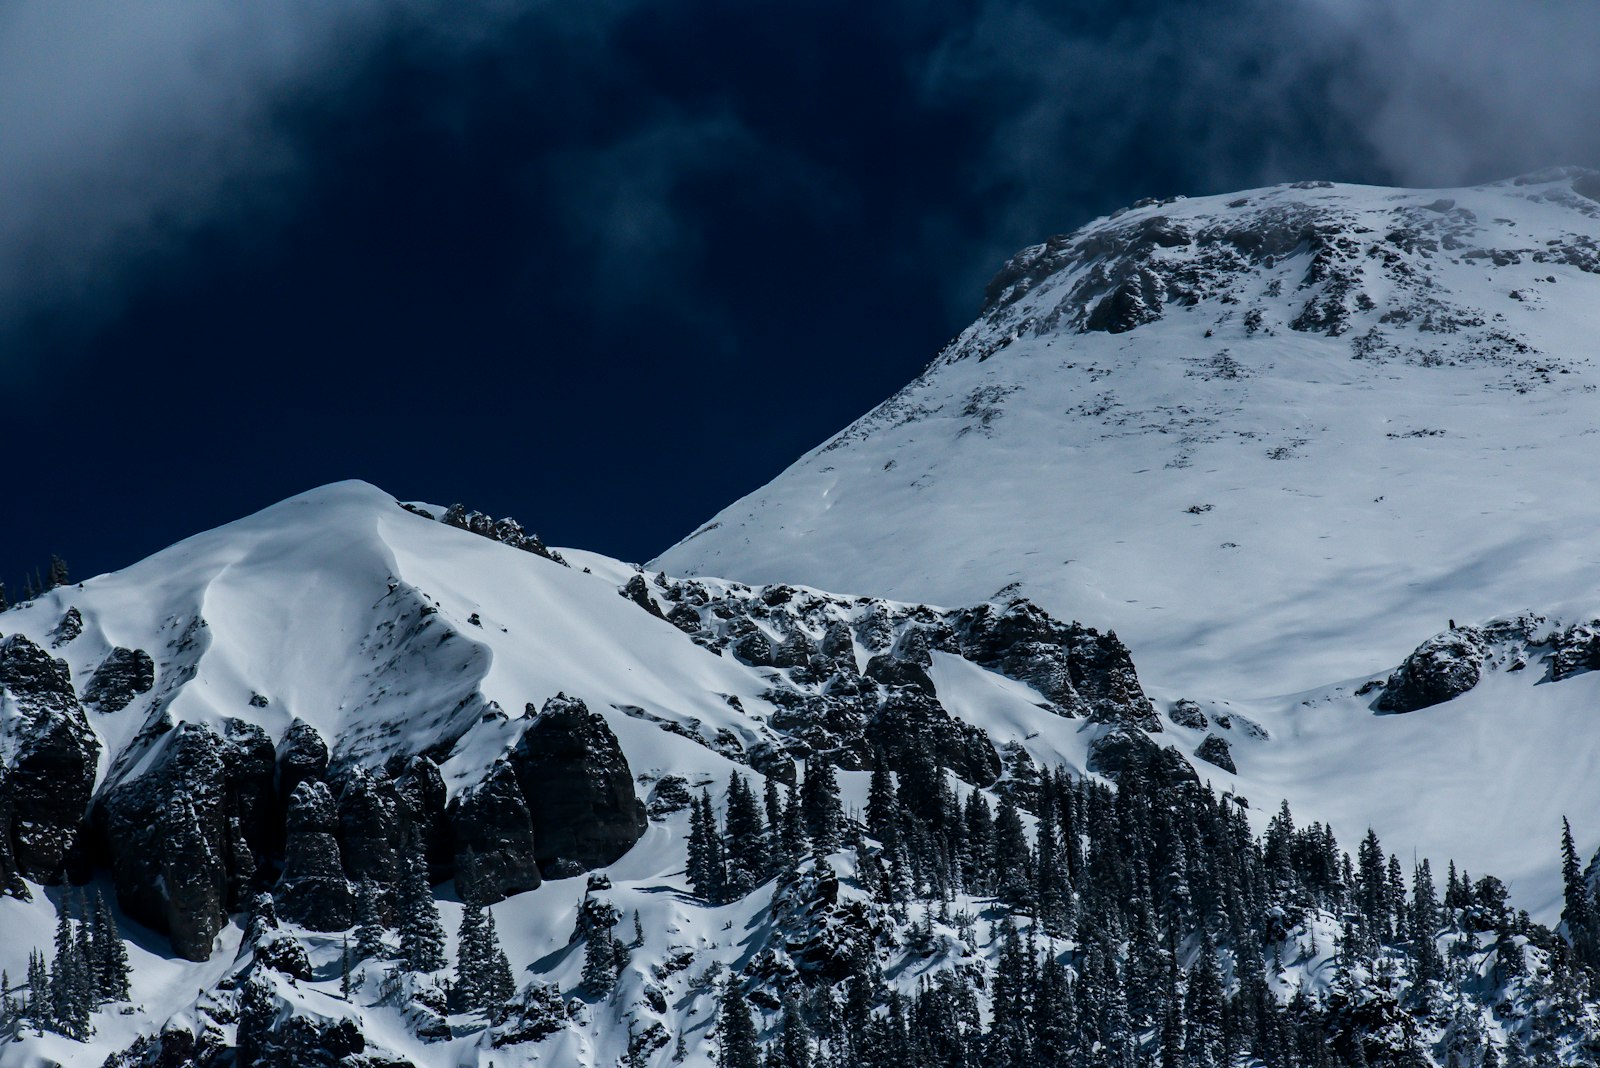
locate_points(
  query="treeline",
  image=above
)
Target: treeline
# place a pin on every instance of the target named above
(90, 969)
(1144, 926)
(39, 582)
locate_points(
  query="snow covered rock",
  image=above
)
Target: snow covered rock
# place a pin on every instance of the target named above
(170, 841)
(494, 839)
(313, 890)
(1445, 666)
(579, 788)
(123, 675)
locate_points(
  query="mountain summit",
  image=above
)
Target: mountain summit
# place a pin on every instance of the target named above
(1272, 438)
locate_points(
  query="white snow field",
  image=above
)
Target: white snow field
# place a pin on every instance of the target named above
(344, 610)
(1332, 419)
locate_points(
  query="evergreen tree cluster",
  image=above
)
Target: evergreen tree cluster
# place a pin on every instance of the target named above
(90, 968)
(39, 582)
(483, 981)
(1147, 926)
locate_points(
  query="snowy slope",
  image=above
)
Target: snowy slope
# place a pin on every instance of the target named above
(393, 634)
(1275, 440)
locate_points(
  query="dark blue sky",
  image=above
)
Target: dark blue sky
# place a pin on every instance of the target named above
(607, 275)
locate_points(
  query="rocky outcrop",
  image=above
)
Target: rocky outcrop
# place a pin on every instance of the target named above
(51, 769)
(1124, 750)
(1216, 750)
(373, 827)
(1443, 667)
(123, 675)
(579, 788)
(493, 832)
(1577, 649)
(167, 834)
(302, 755)
(313, 891)
(421, 793)
(1079, 670)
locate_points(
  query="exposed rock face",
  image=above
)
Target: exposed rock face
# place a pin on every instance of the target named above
(302, 755)
(495, 853)
(52, 764)
(123, 675)
(373, 827)
(1577, 650)
(313, 890)
(1123, 749)
(1081, 671)
(638, 591)
(421, 792)
(1215, 750)
(1186, 713)
(579, 788)
(1445, 666)
(167, 834)
(506, 531)
(250, 806)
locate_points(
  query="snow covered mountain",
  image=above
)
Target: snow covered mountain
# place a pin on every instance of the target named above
(1274, 440)
(307, 698)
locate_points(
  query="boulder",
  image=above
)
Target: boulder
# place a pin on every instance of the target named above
(578, 786)
(1215, 750)
(123, 675)
(1443, 667)
(52, 767)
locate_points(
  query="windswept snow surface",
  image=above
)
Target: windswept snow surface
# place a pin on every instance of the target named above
(388, 632)
(1274, 440)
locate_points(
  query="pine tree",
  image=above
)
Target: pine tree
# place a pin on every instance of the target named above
(599, 963)
(344, 968)
(819, 801)
(793, 1049)
(737, 1043)
(883, 804)
(499, 985)
(110, 954)
(746, 839)
(1012, 878)
(58, 573)
(470, 978)
(1578, 913)
(38, 1008)
(369, 923)
(707, 867)
(421, 935)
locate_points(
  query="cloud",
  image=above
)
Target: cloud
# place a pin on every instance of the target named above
(124, 126)
(1093, 107)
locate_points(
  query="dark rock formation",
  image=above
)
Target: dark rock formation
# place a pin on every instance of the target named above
(1577, 649)
(1186, 713)
(313, 891)
(638, 591)
(1079, 670)
(420, 790)
(47, 786)
(302, 755)
(70, 626)
(505, 531)
(373, 827)
(249, 805)
(1123, 748)
(123, 675)
(1215, 750)
(494, 838)
(167, 834)
(1443, 667)
(579, 788)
